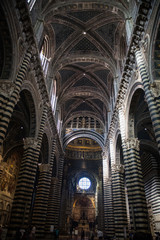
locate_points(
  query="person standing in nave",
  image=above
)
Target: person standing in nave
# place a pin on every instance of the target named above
(82, 234)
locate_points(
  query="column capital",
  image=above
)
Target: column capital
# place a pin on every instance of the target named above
(44, 167)
(3, 165)
(61, 156)
(155, 88)
(7, 88)
(54, 138)
(46, 105)
(108, 180)
(118, 168)
(105, 154)
(55, 180)
(30, 142)
(132, 143)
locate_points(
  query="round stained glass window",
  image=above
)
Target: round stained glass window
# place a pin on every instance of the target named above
(84, 183)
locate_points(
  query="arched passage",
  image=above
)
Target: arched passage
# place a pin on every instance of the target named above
(22, 125)
(140, 127)
(83, 162)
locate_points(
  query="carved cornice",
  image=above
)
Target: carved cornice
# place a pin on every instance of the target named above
(132, 143)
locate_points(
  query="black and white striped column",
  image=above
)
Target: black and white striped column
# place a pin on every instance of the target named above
(51, 219)
(8, 103)
(100, 205)
(135, 187)
(119, 202)
(151, 176)
(55, 198)
(41, 200)
(42, 195)
(108, 201)
(118, 191)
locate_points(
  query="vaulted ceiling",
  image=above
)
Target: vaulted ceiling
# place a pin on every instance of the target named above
(89, 48)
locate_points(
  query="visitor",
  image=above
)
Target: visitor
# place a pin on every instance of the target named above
(157, 236)
(71, 230)
(82, 234)
(18, 235)
(91, 235)
(76, 233)
(57, 233)
(25, 235)
(33, 231)
(99, 234)
(1, 229)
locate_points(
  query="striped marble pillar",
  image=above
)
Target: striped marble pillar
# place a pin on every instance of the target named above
(119, 203)
(51, 218)
(108, 201)
(135, 187)
(24, 189)
(8, 99)
(100, 206)
(151, 177)
(153, 100)
(42, 195)
(64, 198)
(57, 204)
(41, 200)
(108, 212)
(55, 198)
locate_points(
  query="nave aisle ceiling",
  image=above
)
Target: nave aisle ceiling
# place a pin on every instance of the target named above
(89, 48)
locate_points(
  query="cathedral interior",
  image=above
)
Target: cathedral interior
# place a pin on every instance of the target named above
(80, 117)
